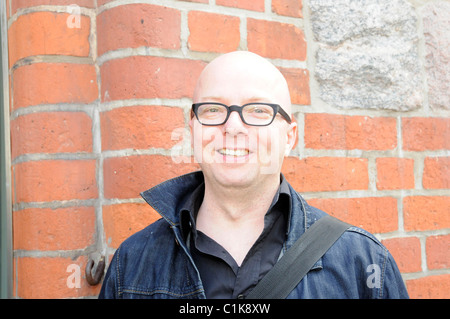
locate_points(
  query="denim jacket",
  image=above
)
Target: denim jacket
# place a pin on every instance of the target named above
(156, 263)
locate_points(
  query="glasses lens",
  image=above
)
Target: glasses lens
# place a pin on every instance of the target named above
(258, 114)
(211, 114)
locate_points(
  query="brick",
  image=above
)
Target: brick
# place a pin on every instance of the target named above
(211, 32)
(329, 131)
(45, 33)
(263, 38)
(426, 212)
(255, 5)
(298, 82)
(50, 180)
(123, 220)
(395, 173)
(374, 214)
(149, 77)
(421, 134)
(23, 4)
(128, 176)
(56, 132)
(54, 229)
(140, 127)
(430, 287)
(137, 25)
(315, 174)
(438, 252)
(436, 173)
(47, 278)
(52, 83)
(292, 8)
(406, 252)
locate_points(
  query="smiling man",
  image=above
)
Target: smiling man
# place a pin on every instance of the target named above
(226, 226)
(240, 153)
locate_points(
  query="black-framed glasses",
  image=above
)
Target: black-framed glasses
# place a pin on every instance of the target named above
(254, 114)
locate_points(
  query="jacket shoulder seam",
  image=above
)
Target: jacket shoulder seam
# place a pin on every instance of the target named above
(366, 234)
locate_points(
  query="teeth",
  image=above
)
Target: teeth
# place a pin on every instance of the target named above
(228, 152)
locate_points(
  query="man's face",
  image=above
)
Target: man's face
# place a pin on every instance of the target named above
(234, 153)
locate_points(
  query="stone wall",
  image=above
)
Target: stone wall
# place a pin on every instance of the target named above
(367, 54)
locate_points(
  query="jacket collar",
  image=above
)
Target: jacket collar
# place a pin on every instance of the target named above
(169, 197)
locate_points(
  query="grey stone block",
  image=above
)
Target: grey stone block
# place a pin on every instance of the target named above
(367, 55)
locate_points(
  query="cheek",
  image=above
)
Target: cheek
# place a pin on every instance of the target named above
(271, 151)
(269, 140)
(203, 142)
(202, 135)
(208, 137)
(271, 146)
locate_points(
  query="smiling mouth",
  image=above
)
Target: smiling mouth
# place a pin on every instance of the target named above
(233, 152)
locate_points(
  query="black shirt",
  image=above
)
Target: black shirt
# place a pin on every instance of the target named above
(220, 274)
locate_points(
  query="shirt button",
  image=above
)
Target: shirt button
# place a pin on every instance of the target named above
(241, 296)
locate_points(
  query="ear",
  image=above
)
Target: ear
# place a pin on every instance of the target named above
(292, 137)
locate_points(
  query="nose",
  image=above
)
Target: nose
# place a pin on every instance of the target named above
(234, 124)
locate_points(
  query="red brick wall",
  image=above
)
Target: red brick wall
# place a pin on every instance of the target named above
(97, 110)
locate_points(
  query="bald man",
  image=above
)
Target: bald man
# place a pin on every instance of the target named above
(225, 227)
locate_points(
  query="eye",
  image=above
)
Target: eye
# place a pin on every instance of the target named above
(211, 109)
(258, 110)
(208, 110)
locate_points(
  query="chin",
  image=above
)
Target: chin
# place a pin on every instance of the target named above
(234, 175)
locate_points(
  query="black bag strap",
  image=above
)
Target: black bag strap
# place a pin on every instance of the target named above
(298, 260)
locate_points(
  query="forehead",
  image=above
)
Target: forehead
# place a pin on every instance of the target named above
(240, 77)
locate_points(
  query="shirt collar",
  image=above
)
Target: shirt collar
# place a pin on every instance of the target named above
(189, 210)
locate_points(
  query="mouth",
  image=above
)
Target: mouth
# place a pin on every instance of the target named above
(233, 152)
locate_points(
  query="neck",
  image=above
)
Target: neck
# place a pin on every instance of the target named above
(236, 209)
(237, 204)
(234, 217)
